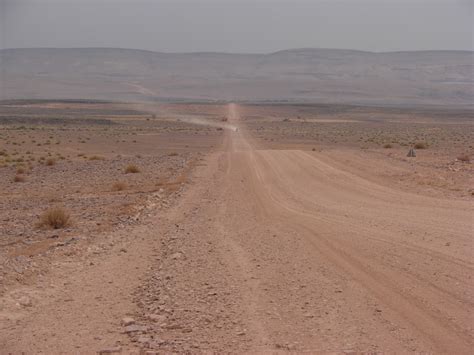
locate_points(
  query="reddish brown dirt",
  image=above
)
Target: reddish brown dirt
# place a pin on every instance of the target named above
(271, 250)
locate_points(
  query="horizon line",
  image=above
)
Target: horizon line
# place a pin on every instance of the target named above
(247, 53)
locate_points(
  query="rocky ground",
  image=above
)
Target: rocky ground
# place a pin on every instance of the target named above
(247, 228)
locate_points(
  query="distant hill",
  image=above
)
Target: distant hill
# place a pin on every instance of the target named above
(315, 75)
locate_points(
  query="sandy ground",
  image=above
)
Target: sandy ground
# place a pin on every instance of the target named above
(271, 246)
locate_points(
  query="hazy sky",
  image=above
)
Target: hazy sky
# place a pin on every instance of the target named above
(238, 25)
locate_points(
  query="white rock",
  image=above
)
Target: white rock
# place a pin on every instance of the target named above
(127, 321)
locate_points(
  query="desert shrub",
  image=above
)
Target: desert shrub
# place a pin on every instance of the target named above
(119, 186)
(19, 178)
(172, 154)
(20, 170)
(50, 161)
(387, 146)
(464, 158)
(96, 157)
(55, 218)
(420, 145)
(131, 169)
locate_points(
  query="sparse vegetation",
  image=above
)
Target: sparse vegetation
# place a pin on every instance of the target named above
(420, 145)
(19, 178)
(464, 158)
(131, 169)
(119, 186)
(388, 146)
(50, 162)
(55, 218)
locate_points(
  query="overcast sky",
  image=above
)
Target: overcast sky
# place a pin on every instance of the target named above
(238, 25)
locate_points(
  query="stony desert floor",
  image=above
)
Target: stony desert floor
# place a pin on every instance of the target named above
(236, 228)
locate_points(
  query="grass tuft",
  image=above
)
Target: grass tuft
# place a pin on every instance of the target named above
(55, 218)
(420, 145)
(119, 186)
(19, 178)
(464, 158)
(131, 169)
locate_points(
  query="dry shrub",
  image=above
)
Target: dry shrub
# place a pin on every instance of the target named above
(19, 178)
(387, 146)
(20, 170)
(172, 154)
(96, 157)
(55, 218)
(420, 145)
(464, 158)
(50, 162)
(119, 186)
(131, 169)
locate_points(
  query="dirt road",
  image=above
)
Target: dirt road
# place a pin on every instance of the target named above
(305, 256)
(280, 249)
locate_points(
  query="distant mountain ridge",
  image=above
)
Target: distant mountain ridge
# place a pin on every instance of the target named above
(300, 75)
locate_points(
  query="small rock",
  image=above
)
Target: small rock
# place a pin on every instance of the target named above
(176, 256)
(143, 340)
(127, 321)
(116, 349)
(135, 328)
(156, 318)
(25, 301)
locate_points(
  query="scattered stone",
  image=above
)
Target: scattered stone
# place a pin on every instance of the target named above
(176, 256)
(113, 350)
(156, 318)
(127, 321)
(135, 328)
(25, 301)
(143, 340)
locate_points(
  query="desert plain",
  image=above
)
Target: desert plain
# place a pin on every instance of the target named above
(235, 227)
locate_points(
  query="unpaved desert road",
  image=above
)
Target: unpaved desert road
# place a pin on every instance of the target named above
(309, 257)
(274, 250)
